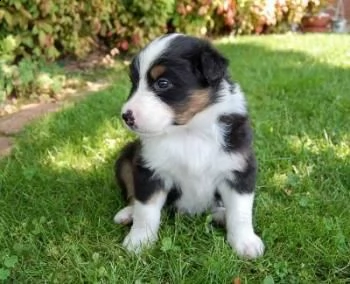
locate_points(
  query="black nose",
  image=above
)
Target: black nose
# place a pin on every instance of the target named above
(129, 118)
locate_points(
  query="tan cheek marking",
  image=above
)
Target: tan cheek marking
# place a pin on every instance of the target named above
(199, 100)
(157, 71)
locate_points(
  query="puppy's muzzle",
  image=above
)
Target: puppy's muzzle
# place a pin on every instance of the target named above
(129, 118)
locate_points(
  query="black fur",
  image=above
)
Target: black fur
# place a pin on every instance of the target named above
(146, 184)
(192, 64)
(204, 60)
(173, 195)
(183, 80)
(213, 66)
(244, 181)
(134, 75)
(238, 136)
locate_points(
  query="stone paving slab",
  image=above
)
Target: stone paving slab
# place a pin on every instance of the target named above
(12, 124)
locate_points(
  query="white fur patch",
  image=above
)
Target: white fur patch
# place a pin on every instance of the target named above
(151, 115)
(146, 221)
(240, 232)
(152, 52)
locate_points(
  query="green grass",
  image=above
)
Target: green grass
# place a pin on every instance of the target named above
(58, 195)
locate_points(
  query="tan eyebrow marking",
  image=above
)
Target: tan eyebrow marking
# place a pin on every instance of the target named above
(157, 71)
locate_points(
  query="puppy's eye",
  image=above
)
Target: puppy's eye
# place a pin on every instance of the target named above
(162, 84)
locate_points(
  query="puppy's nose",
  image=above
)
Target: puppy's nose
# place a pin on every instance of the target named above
(129, 118)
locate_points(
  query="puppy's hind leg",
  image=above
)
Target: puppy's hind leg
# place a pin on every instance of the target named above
(218, 211)
(124, 173)
(218, 215)
(124, 216)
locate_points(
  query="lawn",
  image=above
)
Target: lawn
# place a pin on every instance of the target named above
(58, 195)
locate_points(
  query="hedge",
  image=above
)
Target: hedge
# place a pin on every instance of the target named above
(49, 29)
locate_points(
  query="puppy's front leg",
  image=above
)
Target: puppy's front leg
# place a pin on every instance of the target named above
(240, 232)
(146, 221)
(149, 198)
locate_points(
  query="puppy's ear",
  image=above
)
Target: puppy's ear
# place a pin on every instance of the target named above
(213, 65)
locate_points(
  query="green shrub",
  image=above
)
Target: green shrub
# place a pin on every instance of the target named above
(24, 78)
(29, 79)
(273, 15)
(194, 17)
(137, 22)
(205, 17)
(48, 29)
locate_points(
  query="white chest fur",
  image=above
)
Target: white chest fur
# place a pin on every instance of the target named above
(194, 161)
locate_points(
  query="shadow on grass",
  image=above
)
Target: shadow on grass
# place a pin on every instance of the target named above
(58, 194)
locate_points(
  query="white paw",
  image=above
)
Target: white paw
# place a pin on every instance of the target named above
(137, 239)
(124, 216)
(246, 245)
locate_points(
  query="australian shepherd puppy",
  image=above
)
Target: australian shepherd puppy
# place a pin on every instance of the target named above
(194, 151)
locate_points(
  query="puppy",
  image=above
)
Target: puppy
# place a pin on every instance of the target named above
(194, 151)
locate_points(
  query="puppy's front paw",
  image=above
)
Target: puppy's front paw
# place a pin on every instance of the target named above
(246, 245)
(137, 239)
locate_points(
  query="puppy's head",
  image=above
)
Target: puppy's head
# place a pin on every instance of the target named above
(173, 78)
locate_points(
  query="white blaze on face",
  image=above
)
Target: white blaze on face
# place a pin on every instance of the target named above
(150, 113)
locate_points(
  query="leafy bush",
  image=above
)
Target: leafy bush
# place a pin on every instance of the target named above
(194, 17)
(48, 29)
(273, 15)
(215, 17)
(28, 79)
(137, 22)
(225, 17)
